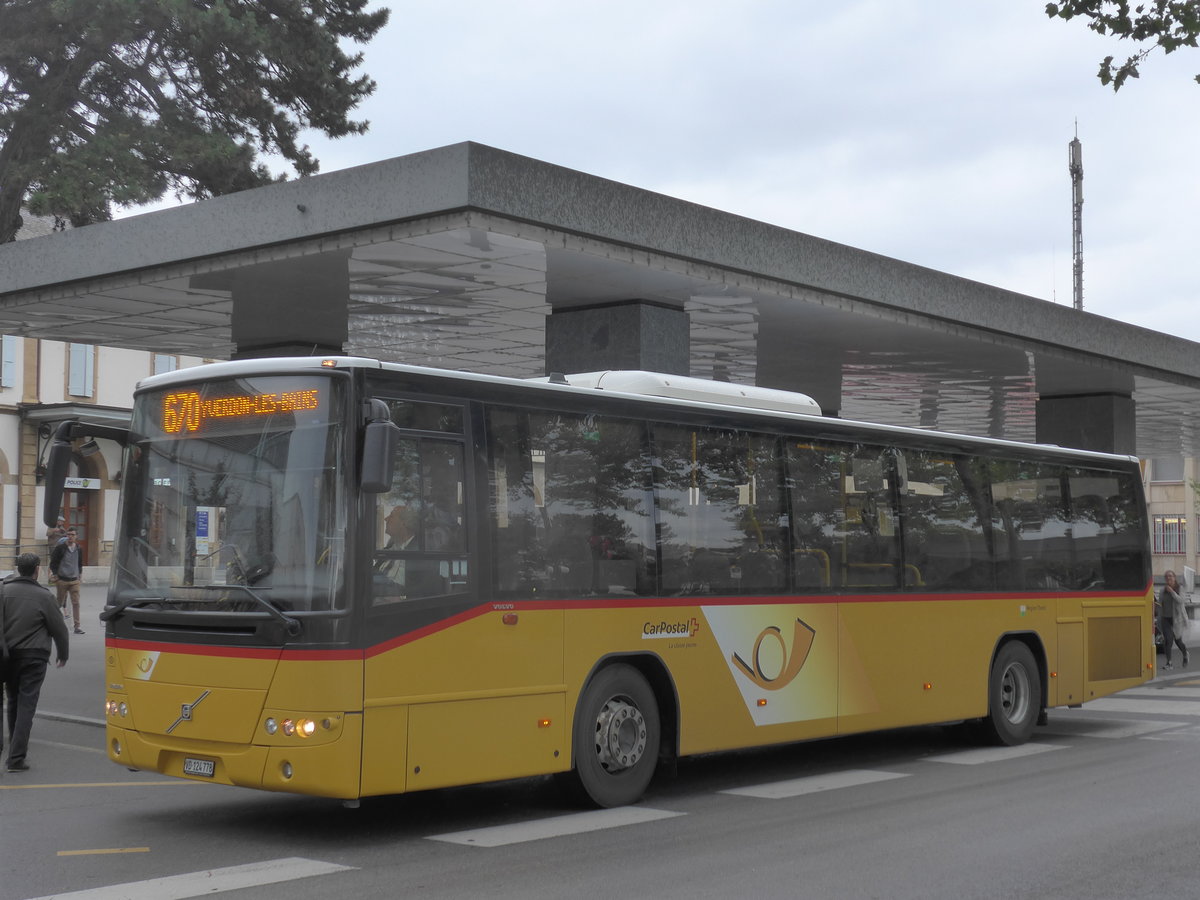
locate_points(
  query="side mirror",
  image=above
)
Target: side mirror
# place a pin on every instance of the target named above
(381, 437)
(57, 462)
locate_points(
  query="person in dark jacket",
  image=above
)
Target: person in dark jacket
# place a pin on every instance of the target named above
(29, 623)
(66, 566)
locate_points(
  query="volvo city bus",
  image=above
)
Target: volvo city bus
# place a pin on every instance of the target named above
(347, 578)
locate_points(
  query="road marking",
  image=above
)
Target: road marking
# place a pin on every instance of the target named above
(1109, 728)
(97, 784)
(559, 826)
(1156, 707)
(992, 754)
(79, 747)
(206, 883)
(1177, 689)
(103, 852)
(1191, 733)
(796, 787)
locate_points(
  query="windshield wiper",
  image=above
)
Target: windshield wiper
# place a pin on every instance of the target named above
(111, 612)
(291, 625)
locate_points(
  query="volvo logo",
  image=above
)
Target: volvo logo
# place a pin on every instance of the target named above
(185, 712)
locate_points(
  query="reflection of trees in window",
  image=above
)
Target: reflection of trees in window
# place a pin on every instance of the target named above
(570, 504)
(945, 542)
(1108, 546)
(720, 510)
(1030, 502)
(818, 514)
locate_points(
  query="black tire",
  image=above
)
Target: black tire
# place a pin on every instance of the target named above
(616, 735)
(1014, 696)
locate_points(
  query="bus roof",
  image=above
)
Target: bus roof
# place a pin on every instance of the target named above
(645, 387)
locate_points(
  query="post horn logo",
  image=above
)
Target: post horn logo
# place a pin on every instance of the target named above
(793, 660)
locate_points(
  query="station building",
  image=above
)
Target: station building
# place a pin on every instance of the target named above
(468, 257)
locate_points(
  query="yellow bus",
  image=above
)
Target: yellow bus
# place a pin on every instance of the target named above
(347, 578)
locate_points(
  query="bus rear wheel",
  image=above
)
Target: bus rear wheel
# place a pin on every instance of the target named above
(616, 734)
(1014, 696)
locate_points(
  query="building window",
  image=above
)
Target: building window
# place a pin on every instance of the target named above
(82, 362)
(1170, 535)
(8, 366)
(165, 363)
(1166, 468)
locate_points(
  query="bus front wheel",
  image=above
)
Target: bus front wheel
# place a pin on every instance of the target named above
(1014, 695)
(617, 734)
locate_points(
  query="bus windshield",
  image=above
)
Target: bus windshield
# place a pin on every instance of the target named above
(234, 496)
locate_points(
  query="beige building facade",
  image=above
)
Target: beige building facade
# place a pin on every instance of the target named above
(42, 383)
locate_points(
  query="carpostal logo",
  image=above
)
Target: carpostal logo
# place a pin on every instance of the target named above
(653, 631)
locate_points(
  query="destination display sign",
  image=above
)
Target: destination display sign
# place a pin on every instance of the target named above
(234, 405)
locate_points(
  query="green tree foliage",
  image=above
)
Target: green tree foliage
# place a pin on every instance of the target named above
(107, 102)
(1169, 24)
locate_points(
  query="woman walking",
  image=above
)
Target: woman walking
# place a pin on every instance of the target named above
(1173, 620)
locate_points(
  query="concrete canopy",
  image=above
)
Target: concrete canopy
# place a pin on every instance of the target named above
(456, 257)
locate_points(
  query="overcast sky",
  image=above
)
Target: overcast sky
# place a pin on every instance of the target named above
(932, 131)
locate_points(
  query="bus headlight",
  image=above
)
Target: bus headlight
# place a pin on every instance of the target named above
(298, 727)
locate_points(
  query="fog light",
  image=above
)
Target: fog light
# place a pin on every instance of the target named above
(286, 769)
(116, 747)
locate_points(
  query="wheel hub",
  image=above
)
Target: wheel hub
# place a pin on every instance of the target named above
(1015, 693)
(620, 735)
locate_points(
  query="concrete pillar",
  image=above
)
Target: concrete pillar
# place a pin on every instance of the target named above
(786, 362)
(1104, 422)
(632, 334)
(293, 307)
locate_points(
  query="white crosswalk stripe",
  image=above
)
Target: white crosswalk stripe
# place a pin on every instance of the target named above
(1111, 729)
(796, 787)
(981, 755)
(558, 826)
(208, 882)
(1120, 704)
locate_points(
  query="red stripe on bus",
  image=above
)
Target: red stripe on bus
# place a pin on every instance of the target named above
(594, 604)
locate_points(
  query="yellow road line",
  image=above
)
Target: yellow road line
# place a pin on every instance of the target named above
(79, 784)
(101, 852)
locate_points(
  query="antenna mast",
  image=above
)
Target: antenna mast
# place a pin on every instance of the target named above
(1076, 168)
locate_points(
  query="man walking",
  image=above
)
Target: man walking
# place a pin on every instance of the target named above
(66, 568)
(29, 623)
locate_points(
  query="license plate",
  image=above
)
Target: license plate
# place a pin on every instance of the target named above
(205, 767)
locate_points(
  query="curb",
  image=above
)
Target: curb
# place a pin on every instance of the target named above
(67, 717)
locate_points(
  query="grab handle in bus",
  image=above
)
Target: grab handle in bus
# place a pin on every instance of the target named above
(381, 437)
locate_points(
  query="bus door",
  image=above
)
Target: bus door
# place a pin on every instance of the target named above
(454, 685)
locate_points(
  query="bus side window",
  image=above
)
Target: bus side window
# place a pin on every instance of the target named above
(570, 511)
(720, 511)
(1031, 526)
(1108, 551)
(944, 544)
(420, 527)
(818, 515)
(870, 542)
